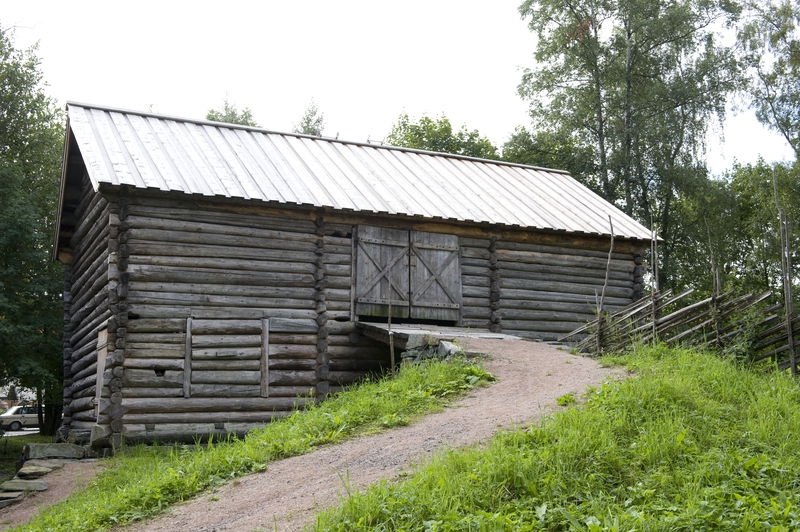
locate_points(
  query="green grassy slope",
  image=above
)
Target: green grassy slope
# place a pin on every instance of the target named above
(689, 442)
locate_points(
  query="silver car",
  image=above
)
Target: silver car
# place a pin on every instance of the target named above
(18, 417)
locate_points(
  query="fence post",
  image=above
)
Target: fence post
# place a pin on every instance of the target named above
(786, 270)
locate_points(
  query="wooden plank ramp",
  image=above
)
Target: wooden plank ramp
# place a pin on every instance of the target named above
(410, 336)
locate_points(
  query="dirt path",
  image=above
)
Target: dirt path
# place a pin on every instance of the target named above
(287, 495)
(60, 483)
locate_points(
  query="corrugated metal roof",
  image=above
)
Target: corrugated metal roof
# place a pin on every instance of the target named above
(197, 157)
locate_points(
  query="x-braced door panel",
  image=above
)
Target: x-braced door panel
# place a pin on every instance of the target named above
(382, 272)
(419, 271)
(435, 276)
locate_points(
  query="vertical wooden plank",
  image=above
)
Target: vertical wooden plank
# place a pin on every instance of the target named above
(187, 361)
(102, 353)
(265, 357)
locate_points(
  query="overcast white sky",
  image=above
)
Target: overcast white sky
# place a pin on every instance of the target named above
(363, 62)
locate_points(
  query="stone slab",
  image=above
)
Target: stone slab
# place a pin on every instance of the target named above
(33, 451)
(52, 463)
(18, 484)
(8, 501)
(29, 472)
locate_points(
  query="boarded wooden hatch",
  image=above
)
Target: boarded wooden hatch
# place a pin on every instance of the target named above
(419, 271)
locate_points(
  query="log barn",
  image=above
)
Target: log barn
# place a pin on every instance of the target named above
(219, 275)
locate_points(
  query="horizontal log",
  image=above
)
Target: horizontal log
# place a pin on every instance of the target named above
(555, 306)
(227, 353)
(547, 295)
(545, 315)
(193, 226)
(565, 260)
(224, 263)
(200, 341)
(155, 392)
(132, 352)
(201, 404)
(558, 274)
(475, 263)
(476, 312)
(236, 390)
(195, 300)
(199, 417)
(225, 377)
(293, 363)
(292, 339)
(166, 249)
(227, 365)
(562, 250)
(174, 325)
(152, 364)
(540, 326)
(193, 239)
(147, 378)
(190, 433)
(476, 302)
(477, 271)
(567, 288)
(281, 377)
(292, 351)
(477, 323)
(341, 327)
(162, 339)
(467, 242)
(144, 310)
(141, 272)
(478, 281)
(475, 253)
(279, 292)
(173, 210)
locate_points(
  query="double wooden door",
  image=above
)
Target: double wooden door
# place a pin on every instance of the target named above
(418, 272)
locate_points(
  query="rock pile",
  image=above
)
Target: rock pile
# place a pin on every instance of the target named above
(38, 459)
(443, 350)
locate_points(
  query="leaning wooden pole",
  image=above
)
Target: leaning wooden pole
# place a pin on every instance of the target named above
(654, 287)
(786, 270)
(603, 293)
(391, 338)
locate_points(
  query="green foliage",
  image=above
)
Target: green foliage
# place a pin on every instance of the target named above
(312, 122)
(31, 146)
(633, 86)
(689, 442)
(436, 134)
(142, 481)
(547, 149)
(771, 42)
(566, 400)
(230, 114)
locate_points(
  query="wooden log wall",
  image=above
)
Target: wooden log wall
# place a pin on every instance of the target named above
(87, 309)
(203, 286)
(542, 291)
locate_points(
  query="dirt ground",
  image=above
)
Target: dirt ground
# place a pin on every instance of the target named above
(287, 495)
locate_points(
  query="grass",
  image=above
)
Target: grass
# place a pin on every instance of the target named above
(11, 451)
(142, 481)
(689, 442)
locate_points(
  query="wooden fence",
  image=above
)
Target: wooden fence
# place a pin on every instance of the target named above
(719, 322)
